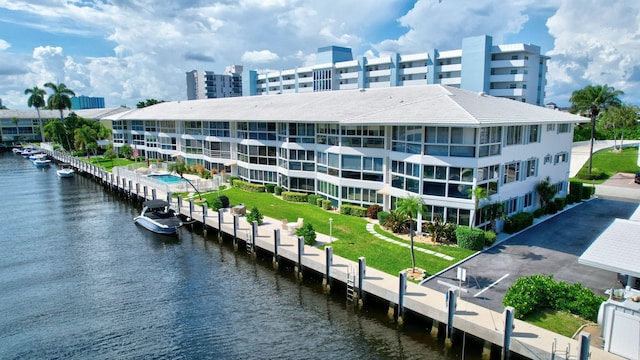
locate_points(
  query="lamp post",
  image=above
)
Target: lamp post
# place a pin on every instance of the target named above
(330, 229)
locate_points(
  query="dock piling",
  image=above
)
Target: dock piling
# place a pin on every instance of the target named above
(298, 267)
(508, 329)
(326, 282)
(402, 289)
(276, 243)
(451, 310)
(362, 271)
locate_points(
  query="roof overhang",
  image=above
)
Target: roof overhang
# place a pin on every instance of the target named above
(617, 249)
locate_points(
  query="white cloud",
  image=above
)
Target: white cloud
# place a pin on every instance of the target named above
(595, 44)
(259, 57)
(4, 45)
(155, 43)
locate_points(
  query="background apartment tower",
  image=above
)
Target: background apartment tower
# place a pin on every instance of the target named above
(514, 71)
(208, 85)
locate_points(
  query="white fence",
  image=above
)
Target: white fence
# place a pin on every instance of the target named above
(139, 173)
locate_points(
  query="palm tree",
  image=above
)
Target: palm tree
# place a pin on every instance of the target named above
(477, 193)
(60, 99)
(590, 101)
(36, 100)
(84, 137)
(15, 121)
(180, 167)
(410, 207)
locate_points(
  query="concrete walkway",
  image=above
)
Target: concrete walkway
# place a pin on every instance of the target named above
(372, 231)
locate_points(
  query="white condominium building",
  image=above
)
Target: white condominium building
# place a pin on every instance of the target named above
(369, 146)
(514, 71)
(208, 85)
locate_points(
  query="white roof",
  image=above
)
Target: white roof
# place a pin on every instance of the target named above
(411, 105)
(50, 114)
(617, 249)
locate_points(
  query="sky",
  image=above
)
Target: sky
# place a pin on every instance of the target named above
(131, 50)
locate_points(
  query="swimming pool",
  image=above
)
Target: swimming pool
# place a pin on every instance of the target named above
(167, 178)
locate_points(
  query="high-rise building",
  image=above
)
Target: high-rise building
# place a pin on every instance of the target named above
(515, 71)
(87, 102)
(208, 85)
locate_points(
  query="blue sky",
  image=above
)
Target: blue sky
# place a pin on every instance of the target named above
(130, 50)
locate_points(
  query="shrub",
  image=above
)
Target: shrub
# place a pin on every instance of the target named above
(587, 191)
(319, 202)
(440, 231)
(395, 222)
(313, 199)
(518, 222)
(382, 217)
(575, 190)
(449, 232)
(277, 190)
(215, 204)
(551, 208)
(536, 292)
(269, 188)
(222, 187)
(596, 174)
(470, 238)
(489, 238)
(294, 196)
(373, 210)
(254, 215)
(326, 204)
(308, 233)
(353, 210)
(560, 203)
(232, 179)
(538, 212)
(247, 186)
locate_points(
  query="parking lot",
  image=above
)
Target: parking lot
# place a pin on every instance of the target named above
(551, 247)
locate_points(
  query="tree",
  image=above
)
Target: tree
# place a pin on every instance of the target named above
(60, 100)
(410, 207)
(54, 129)
(590, 101)
(308, 233)
(546, 191)
(180, 167)
(84, 137)
(622, 118)
(477, 193)
(148, 102)
(126, 151)
(255, 215)
(36, 100)
(110, 154)
(15, 121)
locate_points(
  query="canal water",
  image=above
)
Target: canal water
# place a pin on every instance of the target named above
(78, 279)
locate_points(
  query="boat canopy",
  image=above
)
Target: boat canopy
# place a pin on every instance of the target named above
(154, 204)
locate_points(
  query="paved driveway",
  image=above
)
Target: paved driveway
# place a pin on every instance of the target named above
(550, 247)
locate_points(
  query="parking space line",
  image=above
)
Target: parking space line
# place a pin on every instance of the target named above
(490, 286)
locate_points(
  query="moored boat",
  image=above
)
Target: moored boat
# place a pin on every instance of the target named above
(157, 216)
(65, 170)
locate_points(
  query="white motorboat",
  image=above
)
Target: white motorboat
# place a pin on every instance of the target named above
(42, 162)
(157, 216)
(65, 170)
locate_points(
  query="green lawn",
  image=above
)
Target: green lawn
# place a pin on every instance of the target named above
(611, 162)
(354, 241)
(557, 321)
(108, 164)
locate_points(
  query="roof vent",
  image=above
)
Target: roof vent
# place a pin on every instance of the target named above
(482, 93)
(362, 89)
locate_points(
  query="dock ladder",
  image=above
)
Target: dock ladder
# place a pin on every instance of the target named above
(249, 244)
(351, 285)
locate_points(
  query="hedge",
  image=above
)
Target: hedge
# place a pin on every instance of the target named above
(518, 222)
(575, 191)
(269, 188)
(346, 209)
(232, 179)
(326, 204)
(277, 190)
(294, 196)
(313, 199)
(470, 238)
(587, 191)
(536, 292)
(319, 202)
(247, 186)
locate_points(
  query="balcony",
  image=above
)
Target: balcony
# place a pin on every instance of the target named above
(508, 63)
(507, 78)
(506, 92)
(375, 73)
(449, 68)
(413, 70)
